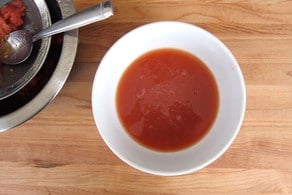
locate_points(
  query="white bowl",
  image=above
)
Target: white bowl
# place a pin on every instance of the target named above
(232, 97)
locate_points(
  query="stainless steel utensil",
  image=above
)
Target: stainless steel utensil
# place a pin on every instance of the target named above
(19, 43)
(38, 93)
(14, 78)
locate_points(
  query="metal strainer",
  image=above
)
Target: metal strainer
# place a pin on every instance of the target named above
(14, 78)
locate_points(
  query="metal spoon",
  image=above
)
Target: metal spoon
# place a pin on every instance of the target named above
(17, 46)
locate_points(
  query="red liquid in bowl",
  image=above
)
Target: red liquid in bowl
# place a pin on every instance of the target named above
(167, 100)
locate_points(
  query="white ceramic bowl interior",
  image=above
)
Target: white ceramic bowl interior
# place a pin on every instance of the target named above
(213, 53)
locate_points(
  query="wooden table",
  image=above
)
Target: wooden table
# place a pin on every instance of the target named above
(60, 151)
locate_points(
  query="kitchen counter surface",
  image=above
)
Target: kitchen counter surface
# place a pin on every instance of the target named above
(59, 151)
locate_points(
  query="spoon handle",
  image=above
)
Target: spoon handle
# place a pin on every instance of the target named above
(90, 15)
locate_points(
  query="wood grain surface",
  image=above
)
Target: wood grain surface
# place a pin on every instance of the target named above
(60, 151)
